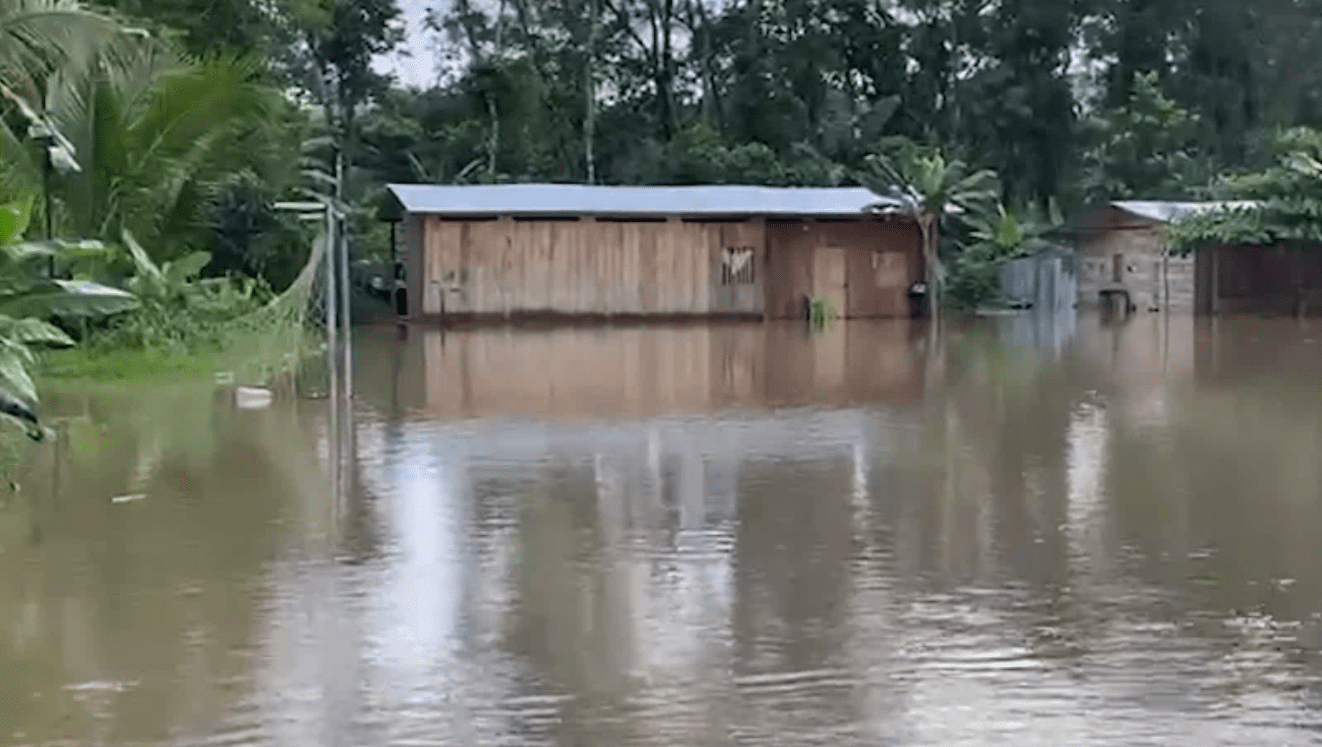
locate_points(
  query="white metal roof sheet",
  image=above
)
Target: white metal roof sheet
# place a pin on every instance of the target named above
(580, 199)
(1168, 211)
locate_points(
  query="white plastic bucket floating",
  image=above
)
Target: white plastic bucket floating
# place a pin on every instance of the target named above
(251, 398)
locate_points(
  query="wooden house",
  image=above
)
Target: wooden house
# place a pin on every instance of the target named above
(1122, 258)
(575, 251)
(1122, 261)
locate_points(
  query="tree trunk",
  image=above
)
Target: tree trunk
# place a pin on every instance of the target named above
(700, 28)
(590, 84)
(668, 69)
(927, 225)
(472, 34)
(493, 145)
(493, 141)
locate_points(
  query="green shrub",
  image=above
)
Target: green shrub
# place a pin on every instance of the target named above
(975, 277)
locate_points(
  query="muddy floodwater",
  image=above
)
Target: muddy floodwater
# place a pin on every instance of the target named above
(1034, 532)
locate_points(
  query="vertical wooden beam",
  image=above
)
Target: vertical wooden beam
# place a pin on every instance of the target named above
(1215, 301)
(765, 257)
(416, 227)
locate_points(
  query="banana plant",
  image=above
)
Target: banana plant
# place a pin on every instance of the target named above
(922, 184)
(1003, 233)
(29, 302)
(168, 282)
(178, 284)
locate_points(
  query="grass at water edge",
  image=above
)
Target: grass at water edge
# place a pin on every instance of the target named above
(126, 366)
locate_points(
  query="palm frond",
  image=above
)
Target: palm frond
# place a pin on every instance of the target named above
(38, 36)
(150, 130)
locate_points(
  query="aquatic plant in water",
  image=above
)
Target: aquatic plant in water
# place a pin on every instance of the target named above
(821, 312)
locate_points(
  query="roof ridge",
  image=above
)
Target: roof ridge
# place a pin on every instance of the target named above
(548, 198)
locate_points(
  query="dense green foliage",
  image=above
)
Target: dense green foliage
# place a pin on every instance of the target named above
(992, 238)
(1090, 99)
(1045, 93)
(30, 301)
(1281, 203)
(1085, 100)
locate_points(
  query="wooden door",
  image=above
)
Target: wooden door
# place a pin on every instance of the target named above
(829, 277)
(890, 279)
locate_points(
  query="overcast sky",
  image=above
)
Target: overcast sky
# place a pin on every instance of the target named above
(418, 69)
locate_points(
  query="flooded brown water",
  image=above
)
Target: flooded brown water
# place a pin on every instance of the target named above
(1034, 533)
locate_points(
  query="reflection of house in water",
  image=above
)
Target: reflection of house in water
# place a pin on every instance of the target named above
(1041, 331)
(1139, 363)
(639, 371)
(619, 561)
(1239, 350)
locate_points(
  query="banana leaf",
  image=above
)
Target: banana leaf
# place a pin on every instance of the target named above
(184, 269)
(33, 332)
(67, 298)
(14, 219)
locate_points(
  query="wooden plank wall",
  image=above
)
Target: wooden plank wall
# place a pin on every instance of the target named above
(789, 263)
(742, 297)
(411, 240)
(1269, 279)
(1143, 274)
(878, 282)
(585, 267)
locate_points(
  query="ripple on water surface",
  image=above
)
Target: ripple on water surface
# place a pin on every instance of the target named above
(768, 546)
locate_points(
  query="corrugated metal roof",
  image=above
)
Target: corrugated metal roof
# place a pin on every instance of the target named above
(580, 199)
(1168, 211)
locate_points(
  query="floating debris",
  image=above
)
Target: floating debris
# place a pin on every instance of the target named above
(109, 686)
(252, 398)
(128, 498)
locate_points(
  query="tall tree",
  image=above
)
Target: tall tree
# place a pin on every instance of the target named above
(340, 39)
(206, 27)
(1145, 147)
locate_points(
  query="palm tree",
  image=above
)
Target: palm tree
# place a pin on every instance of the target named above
(38, 36)
(927, 187)
(147, 132)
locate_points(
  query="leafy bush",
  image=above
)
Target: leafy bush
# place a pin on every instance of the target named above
(995, 237)
(975, 277)
(179, 313)
(29, 302)
(181, 327)
(1279, 204)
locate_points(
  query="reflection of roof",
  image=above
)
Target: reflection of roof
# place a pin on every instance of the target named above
(1168, 211)
(791, 434)
(580, 199)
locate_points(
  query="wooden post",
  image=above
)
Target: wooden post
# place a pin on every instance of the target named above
(1215, 301)
(1166, 280)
